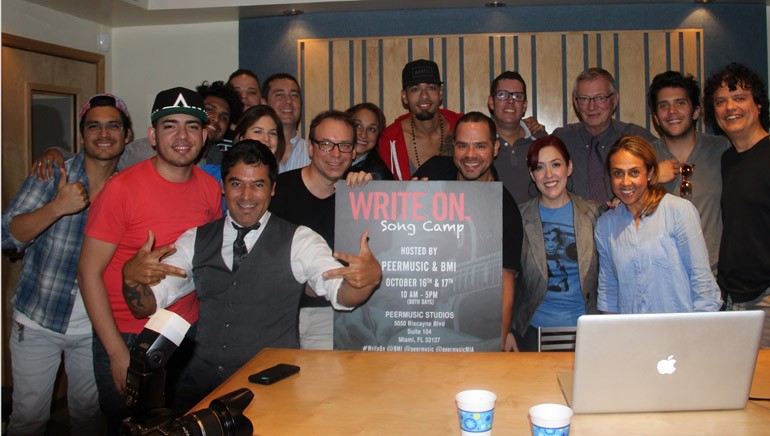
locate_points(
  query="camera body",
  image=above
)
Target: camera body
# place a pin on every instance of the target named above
(146, 382)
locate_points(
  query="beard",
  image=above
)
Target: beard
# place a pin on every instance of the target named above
(425, 115)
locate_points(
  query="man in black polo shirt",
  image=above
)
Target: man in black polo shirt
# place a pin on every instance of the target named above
(474, 149)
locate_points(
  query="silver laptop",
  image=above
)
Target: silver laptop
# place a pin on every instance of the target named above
(663, 362)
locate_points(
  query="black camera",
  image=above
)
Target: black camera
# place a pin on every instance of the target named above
(224, 416)
(146, 382)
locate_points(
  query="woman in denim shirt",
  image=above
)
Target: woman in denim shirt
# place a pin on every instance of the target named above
(652, 255)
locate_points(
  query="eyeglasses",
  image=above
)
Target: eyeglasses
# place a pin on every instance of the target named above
(328, 146)
(95, 127)
(503, 95)
(685, 189)
(585, 100)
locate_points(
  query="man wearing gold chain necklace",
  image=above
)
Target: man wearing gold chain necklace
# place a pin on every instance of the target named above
(426, 130)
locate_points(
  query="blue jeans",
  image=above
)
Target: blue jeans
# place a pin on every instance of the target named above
(35, 359)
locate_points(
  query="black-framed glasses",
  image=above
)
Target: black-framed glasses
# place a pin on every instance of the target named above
(328, 146)
(685, 189)
(504, 95)
(585, 100)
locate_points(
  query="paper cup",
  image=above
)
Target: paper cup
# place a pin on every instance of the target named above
(476, 411)
(550, 419)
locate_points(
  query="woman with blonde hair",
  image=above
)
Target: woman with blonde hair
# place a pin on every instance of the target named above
(652, 255)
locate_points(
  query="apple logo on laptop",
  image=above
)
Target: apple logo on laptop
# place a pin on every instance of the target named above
(666, 366)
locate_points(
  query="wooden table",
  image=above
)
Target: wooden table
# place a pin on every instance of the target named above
(381, 393)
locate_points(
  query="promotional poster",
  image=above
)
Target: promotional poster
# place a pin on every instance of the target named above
(440, 247)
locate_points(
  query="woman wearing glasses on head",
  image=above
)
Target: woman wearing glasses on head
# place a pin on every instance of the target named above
(652, 255)
(559, 263)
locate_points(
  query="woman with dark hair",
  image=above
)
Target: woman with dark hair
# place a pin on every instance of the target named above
(652, 254)
(559, 264)
(262, 124)
(369, 121)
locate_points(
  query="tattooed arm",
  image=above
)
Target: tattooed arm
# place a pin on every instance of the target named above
(140, 300)
(162, 277)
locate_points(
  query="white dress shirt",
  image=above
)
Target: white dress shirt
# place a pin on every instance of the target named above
(310, 258)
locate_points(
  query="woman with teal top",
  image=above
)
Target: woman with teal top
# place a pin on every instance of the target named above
(559, 262)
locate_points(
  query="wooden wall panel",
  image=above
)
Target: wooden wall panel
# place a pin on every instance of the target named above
(358, 64)
(394, 56)
(475, 72)
(451, 76)
(341, 78)
(373, 68)
(524, 45)
(316, 77)
(631, 70)
(370, 68)
(576, 54)
(549, 97)
(674, 51)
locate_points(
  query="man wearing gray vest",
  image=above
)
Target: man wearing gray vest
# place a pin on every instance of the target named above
(248, 270)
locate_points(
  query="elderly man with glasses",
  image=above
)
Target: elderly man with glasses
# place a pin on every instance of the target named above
(595, 99)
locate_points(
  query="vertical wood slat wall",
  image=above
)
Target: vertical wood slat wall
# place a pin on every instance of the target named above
(338, 73)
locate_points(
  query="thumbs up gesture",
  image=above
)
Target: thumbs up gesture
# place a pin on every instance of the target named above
(70, 198)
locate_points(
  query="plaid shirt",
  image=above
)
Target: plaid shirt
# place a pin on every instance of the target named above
(47, 287)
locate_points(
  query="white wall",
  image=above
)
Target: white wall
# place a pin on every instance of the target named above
(149, 59)
(32, 21)
(142, 60)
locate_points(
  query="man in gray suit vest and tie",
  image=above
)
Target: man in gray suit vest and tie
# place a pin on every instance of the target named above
(248, 270)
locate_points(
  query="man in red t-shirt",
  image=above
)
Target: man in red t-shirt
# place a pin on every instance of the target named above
(426, 130)
(149, 204)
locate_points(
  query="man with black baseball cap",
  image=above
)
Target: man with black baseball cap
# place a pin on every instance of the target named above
(45, 220)
(145, 206)
(426, 130)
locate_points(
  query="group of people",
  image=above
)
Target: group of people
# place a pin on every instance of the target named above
(224, 214)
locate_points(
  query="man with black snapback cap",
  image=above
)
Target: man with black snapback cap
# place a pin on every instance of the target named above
(147, 205)
(426, 130)
(46, 220)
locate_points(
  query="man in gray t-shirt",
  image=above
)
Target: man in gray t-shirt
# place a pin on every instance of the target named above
(690, 160)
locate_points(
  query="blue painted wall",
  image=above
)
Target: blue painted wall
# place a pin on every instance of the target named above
(733, 32)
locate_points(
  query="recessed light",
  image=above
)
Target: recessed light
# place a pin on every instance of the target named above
(703, 1)
(495, 4)
(293, 11)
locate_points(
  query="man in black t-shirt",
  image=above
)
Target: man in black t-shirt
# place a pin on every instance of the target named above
(305, 197)
(473, 152)
(736, 104)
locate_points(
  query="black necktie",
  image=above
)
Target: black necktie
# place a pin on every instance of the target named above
(239, 246)
(597, 189)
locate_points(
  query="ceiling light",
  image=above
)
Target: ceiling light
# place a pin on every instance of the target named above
(293, 11)
(495, 4)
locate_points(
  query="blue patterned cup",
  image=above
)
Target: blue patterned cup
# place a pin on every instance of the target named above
(550, 420)
(476, 411)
